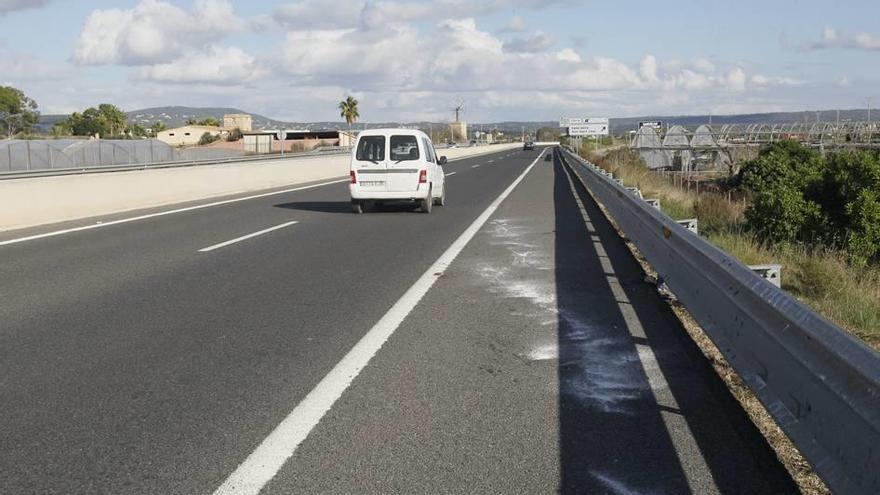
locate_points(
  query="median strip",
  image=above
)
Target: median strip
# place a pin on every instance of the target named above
(245, 237)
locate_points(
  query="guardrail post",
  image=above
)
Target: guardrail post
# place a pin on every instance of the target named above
(28, 154)
(771, 272)
(653, 202)
(689, 223)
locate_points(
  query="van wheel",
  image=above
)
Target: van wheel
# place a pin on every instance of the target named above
(357, 207)
(441, 200)
(427, 203)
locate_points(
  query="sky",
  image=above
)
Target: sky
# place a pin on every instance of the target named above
(407, 60)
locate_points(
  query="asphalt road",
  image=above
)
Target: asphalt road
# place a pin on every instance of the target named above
(153, 357)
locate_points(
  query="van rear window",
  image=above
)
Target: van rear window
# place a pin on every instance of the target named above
(404, 148)
(371, 148)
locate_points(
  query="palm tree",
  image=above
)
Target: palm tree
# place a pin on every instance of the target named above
(349, 109)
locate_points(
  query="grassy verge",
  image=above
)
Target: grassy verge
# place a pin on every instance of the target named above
(822, 279)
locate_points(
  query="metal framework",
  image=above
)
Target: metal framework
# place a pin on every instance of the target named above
(714, 148)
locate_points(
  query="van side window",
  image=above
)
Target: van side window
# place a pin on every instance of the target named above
(371, 148)
(404, 148)
(429, 151)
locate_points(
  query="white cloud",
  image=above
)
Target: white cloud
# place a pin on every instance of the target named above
(405, 59)
(154, 31)
(216, 65)
(27, 67)
(7, 6)
(536, 42)
(762, 81)
(516, 25)
(736, 80)
(832, 39)
(648, 69)
(866, 41)
(314, 14)
(704, 65)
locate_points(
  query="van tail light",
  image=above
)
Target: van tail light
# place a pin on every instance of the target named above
(423, 177)
(353, 177)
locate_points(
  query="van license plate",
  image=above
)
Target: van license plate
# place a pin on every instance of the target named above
(372, 182)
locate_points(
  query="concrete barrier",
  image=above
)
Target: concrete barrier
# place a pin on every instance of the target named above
(42, 200)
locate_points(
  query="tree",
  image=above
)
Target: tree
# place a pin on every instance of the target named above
(114, 119)
(349, 110)
(107, 120)
(157, 128)
(210, 121)
(234, 135)
(18, 112)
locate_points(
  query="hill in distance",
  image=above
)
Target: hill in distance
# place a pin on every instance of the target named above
(175, 116)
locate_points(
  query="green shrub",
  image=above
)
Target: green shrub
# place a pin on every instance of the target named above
(850, 194)
(208, 138)
(234, 135)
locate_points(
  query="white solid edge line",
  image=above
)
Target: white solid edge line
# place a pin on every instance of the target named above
(245, 237)
(451, 173)
(269, 457)
(163, 213)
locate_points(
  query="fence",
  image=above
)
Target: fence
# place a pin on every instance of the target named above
(821, 385)
(64, 154)
(25, 158)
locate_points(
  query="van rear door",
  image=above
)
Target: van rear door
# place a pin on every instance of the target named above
(371, 163)
(404, 163)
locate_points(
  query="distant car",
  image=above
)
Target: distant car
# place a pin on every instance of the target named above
(528, 146)
(396, 165)
(451, 144)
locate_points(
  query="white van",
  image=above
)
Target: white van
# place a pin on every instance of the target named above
(396, 165)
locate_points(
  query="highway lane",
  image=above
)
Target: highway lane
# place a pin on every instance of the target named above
(539, 362)
(130, 362)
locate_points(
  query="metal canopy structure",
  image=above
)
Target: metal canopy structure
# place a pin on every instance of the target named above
(60, 154)
(707, 147)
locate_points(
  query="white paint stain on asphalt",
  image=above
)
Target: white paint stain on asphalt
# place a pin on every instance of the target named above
(616, 486)
(601, 368)
(544, 352)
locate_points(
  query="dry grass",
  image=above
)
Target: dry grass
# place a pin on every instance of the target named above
(821, 279)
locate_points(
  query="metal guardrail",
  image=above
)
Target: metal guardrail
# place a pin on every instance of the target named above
(820, 384)
(172, 164)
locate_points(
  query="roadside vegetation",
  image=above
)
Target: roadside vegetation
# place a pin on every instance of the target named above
(18, 112)
(813, 214)
(818, 216)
